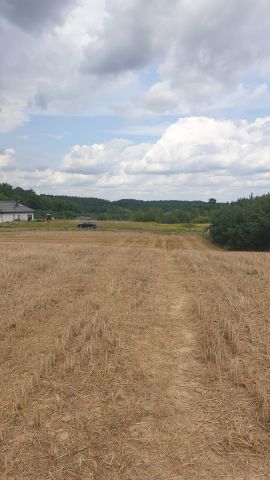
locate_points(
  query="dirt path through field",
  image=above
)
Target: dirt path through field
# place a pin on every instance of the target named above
(191, 455)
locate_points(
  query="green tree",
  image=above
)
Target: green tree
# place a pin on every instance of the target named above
(243, 225)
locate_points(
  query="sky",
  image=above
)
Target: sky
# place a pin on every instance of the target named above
(156, 99)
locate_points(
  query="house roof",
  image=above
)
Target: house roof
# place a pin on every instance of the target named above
(11, 206)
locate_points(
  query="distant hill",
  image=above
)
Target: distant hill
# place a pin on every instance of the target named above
(63, 206)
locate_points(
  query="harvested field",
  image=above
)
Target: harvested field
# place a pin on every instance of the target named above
(132, 356)
(105, 239)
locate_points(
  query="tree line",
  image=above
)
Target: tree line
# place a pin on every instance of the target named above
(62, 206)
(240, 225)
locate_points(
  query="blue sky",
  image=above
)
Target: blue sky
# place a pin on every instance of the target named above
(122, 98)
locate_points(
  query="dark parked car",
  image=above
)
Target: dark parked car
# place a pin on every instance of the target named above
(87, 225)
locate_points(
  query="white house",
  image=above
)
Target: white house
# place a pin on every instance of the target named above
(11, 211)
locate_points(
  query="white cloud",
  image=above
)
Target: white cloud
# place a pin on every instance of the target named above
(7, 157)
(142, 130)
(132, 35)
(11, 115)
(216, 57)
(202, 155)
(105, 158)
(71, 57)
(89, 57)
(195, 158)
(199, 144)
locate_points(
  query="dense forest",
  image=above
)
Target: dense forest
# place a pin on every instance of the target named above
(243, 225)
(167, 211)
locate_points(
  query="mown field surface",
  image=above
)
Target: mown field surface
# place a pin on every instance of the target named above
(108, 225)
(131, 355)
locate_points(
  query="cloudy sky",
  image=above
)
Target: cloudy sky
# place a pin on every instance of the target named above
(156, 99)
